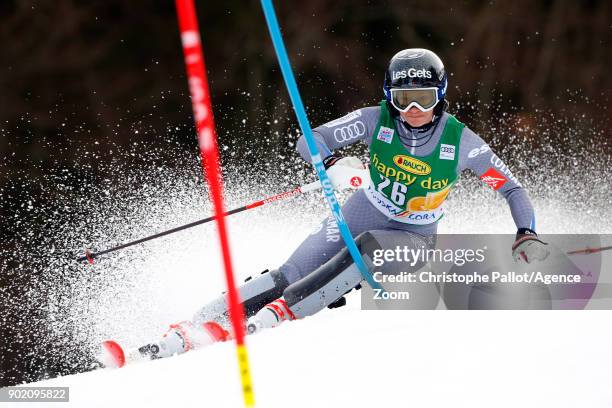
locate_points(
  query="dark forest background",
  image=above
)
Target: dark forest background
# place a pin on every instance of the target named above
(101, 76)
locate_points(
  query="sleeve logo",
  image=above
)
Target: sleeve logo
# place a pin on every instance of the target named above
(385, 134)
(493, 179)
(349, 132)
(478, 150)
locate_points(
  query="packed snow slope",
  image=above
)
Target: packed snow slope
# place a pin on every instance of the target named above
(354, 358)
(338, 358)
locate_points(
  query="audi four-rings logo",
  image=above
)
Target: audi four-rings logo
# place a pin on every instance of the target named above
(350, 131)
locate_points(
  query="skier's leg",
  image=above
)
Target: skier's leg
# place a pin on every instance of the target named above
(317, 249)
(320, 246)
(209, 323)
(263, 290)
(339, 275)
(337, 272)
(314, 251)
(255, 293)
(333, 279)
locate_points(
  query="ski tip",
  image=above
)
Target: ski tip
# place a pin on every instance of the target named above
(111, 354)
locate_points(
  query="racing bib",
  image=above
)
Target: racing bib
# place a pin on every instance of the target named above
(407, 188)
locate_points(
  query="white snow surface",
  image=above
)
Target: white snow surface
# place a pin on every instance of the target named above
(354, 358)
(344, 357)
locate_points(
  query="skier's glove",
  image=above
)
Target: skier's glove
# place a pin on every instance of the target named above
(330, 160)
(346, 172)
(528, 247)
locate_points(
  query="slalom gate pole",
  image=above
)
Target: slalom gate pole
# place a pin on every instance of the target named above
(205, 126)
(298, 106)
(90, 256)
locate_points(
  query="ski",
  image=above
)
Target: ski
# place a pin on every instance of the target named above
(110, 355)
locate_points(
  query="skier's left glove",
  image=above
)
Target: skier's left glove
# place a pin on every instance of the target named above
(346, 172)
(528, 247)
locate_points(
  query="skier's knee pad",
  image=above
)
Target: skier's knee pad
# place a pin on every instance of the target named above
(255, 293)
(330, 281)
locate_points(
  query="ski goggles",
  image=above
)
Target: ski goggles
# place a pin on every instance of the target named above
(425, 99)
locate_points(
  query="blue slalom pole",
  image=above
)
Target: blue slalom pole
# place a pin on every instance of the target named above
(298, 106)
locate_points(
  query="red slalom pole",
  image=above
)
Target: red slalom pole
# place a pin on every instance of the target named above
(205, 126)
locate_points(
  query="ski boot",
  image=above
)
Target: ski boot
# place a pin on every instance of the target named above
(180, 338)
(271, 315)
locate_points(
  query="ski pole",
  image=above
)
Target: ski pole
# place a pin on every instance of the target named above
(589, 250)
(315, 185)
(300, 112)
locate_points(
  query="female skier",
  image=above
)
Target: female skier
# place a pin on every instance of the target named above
(417, 152)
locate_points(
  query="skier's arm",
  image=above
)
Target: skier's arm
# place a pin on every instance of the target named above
(476, 155)
(357, 125)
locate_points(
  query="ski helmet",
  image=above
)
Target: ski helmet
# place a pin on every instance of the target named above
(416, 68)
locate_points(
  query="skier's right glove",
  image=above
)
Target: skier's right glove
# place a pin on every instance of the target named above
(346, 172)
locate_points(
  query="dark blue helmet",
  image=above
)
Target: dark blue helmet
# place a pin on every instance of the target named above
(416, 68)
